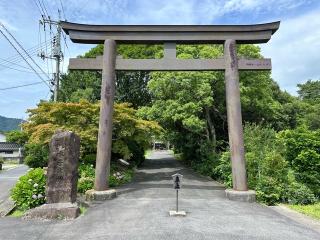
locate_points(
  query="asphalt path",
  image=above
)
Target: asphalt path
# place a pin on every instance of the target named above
(141, 212)
(8, 179)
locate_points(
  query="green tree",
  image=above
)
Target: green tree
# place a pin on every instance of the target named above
(310, 91)
(130, 86)
(17, 136)
(191, 105)
(130, 132)
(303, 153)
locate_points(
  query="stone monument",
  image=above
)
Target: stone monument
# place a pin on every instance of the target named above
(62, 178)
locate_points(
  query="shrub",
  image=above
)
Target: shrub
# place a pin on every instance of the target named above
(118, 176)
(36, 155)
(268, 190)
(222, 171)
(298, 193)
(89, 159)
(86, 177)
(85, 184)
(266, 167)
(303, 153)
(29, 191)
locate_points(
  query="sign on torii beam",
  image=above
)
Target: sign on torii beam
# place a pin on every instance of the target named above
(170, 35)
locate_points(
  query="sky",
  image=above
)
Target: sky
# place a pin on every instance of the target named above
(294, 48)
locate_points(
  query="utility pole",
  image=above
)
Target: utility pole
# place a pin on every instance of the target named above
(56, 53)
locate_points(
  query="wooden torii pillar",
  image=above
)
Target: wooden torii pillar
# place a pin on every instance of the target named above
(229, 35)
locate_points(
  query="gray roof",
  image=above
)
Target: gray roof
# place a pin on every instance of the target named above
(86, 33)
(7, 146)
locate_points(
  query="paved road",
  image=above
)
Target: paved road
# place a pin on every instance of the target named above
(8, 179)
(141, 212)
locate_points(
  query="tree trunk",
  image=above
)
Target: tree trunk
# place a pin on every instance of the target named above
(212, 130)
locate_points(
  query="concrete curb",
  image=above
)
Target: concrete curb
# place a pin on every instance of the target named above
(298, 217)
(6, 207)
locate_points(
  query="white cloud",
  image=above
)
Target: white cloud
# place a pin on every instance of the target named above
(294, 50)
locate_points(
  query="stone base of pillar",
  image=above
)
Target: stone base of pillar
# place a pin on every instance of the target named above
(177, 214)
(54, 211)
(241, 196)
(100, 195)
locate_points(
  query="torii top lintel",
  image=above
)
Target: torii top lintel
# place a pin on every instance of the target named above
(94, 34)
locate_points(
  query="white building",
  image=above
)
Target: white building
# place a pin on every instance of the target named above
(2, 137)
(10, 151)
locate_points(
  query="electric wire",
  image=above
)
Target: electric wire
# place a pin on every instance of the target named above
(45, 13)
(16, 58)
(44, 81)
(39, 9)
(63, 12)
(23, 49)
(20, 70)
(19, 86)
(44, 7)
(9, 62)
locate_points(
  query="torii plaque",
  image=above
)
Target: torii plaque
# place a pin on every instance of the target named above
(169, 35)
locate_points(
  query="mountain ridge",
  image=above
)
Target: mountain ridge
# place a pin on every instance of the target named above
(9, 124)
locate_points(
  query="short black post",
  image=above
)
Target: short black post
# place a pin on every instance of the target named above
(177, 201)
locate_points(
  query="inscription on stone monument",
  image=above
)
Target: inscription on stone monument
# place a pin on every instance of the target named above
(62, 174)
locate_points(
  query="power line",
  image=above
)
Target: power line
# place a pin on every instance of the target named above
(35, 2)
(64, 15)
(23, 49)
(19, 86)
(32, 51)
(20, 70)
(24, 59)
(45, 8)
(10, 62)
(16, 57)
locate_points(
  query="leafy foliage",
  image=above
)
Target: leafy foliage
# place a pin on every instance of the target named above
(36, 155)
(303, 154)
(310, 91)
(118, 176)
(29, 191)
(269, 172)
(17, 136)
(82, 118)
(86, 177)
(131, 86)
(298, 193)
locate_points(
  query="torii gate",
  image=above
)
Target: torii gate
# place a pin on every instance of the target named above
(169, 35)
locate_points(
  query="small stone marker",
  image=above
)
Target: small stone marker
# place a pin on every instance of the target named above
(177, 179)
(62, 178)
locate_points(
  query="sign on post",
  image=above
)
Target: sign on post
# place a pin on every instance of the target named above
(177, 179)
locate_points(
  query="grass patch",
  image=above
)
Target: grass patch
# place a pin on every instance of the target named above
(178, 156)
(147, 153)
(17, 213)
(312, 210)
(83, 210)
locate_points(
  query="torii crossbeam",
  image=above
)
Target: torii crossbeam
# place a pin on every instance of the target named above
(170, 35)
